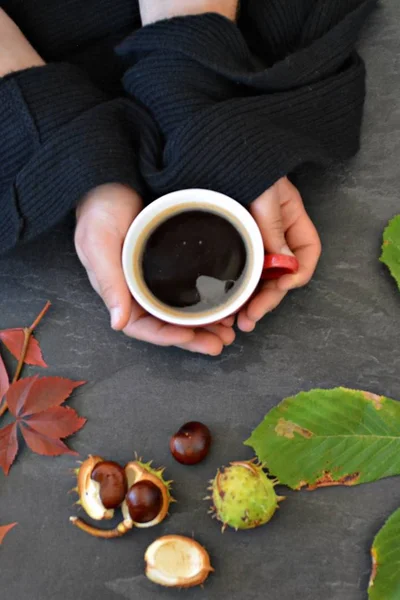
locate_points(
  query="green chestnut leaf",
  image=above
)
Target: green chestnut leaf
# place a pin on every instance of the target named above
(391, 248)
(330, 437)
(385, 551)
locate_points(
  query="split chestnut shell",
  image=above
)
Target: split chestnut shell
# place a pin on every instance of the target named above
(100, 498)
(177, 561)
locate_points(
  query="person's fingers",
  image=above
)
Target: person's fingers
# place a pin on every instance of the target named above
(119, 317)
(308, 258)
(226, 334)
(146, 328)
(266, 300)
(100, 253)
(287, 229)
(266, 211)
(204, 342)
(244, 323)
(304, 240)
(229, 321)
(103, 220)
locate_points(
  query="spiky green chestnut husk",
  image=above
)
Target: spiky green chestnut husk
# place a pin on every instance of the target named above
(243, 496)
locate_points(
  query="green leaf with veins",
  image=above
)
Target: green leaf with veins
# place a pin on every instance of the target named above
(391, 248)
(330, 437)
(385, 577)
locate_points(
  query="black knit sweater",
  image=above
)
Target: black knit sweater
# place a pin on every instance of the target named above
(194, 101)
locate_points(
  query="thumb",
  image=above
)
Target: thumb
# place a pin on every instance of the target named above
(266, 211)
(102, 224)
(107, 278)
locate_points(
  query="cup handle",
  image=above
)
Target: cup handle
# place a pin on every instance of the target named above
(277, 265)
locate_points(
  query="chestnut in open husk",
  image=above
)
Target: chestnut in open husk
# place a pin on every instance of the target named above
(101, 488)
(138, 489)
(149, 499)
(144, 500)
(113, 483)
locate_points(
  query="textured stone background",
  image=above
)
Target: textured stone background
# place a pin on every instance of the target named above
(343, 329)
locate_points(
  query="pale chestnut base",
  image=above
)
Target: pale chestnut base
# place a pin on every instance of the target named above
(177, 561)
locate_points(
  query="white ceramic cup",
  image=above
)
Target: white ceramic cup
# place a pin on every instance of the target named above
(166, 207)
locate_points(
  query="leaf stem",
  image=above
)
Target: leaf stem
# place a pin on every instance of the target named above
(27, 336)
(40, 317)
(104, 534)
(3, 408)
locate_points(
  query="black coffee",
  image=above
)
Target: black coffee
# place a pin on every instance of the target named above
(194, 260)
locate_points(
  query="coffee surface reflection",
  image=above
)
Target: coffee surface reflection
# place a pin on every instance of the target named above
(194, 260)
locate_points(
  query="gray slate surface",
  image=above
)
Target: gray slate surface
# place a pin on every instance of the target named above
(343, 329)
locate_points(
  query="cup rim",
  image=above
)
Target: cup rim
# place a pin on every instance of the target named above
(184, 198)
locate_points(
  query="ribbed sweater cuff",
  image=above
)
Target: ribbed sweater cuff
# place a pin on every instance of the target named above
(92, 150)
(63, 138)
(18, 142)
(55, 94)
(233, 123)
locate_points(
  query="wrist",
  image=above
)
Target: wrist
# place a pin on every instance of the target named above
(110, 197)
(11, 64)
(156, 10)
(16, 53)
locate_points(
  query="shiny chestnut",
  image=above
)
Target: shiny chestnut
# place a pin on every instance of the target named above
(191, 444)
(144, 501)
(113, 483)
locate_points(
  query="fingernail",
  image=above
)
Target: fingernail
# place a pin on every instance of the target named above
(251, 318)
(116, 314)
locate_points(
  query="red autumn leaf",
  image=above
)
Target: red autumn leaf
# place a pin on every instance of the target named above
(35, 404)
(13, 339)
(33, 395)
(56, 422)
(18, 393)
(4, 381)
(8, 446)
(48, 392)
(4, 529)
(42, 444)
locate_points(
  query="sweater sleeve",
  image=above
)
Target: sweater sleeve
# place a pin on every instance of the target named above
(59, 138)
(241, 105)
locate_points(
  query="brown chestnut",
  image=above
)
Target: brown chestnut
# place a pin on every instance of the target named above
(144, 501)
(191, 444)
(113, 484)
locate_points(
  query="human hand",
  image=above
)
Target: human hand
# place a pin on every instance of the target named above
(16, 53)
(156, 10)
(286, 229)
(103, 220)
